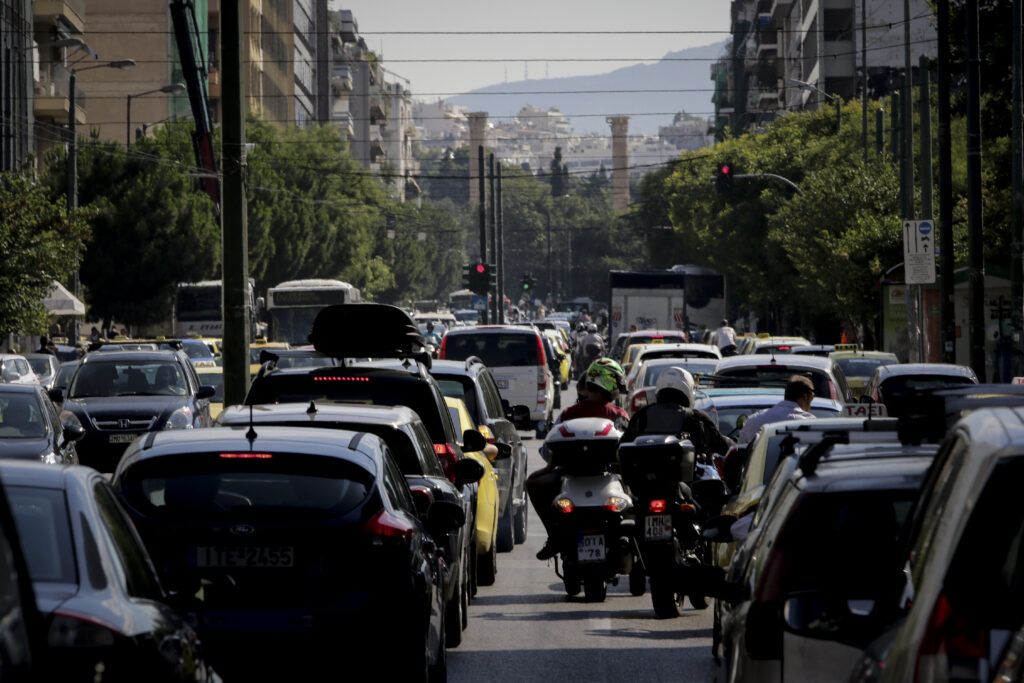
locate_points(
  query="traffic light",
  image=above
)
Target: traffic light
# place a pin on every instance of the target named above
(478, 278)
(528, 282)
(723, 179)
(467, 276)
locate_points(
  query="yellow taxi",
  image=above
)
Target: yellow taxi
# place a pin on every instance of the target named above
(486, 499)
(858, 365)
(254, 353)
(214, 376)
(562, 350)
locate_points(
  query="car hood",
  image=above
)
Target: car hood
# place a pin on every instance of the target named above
(24, 448)
(126, 406)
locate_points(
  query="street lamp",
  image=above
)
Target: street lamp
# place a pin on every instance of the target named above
(170, 89)
(836, 100)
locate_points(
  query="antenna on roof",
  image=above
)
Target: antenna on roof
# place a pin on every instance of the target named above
(251, 434)
(311, 410)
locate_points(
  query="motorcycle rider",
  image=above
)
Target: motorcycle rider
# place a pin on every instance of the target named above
(432, 337)
(603, 381)
(673, 413)
(589, 345)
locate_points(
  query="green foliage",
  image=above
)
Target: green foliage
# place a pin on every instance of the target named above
(39, 243)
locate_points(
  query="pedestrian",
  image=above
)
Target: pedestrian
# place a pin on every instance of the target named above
(46, 346)
(725, 338)
(94, 335)
(795, 405)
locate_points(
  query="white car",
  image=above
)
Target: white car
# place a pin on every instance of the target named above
(516, 358)
(15, 369)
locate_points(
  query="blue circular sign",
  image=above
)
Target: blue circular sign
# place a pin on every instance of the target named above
(924, 227)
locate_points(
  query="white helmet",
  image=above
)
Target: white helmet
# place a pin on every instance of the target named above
(678, 379)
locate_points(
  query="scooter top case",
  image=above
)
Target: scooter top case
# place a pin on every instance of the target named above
(586, 446)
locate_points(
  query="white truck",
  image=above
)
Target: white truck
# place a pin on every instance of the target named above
(683, 298)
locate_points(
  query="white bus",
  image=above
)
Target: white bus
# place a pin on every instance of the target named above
(197, 310)
(292, 306)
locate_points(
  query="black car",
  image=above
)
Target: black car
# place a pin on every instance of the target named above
(407, 438)
(300, 541)
(103, 606)
(22, 632)
(31, 426)
(471, 381)
(119, 395)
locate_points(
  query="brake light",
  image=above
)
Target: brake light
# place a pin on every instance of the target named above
(947, 637)
(486, 431)
(444, 344)
(657, 505)
(542, 360)
(604, 432)
(448, 459)
(564, 505)
(247, 456)
(340, 378)
(687, 507)
(74, 630)
(616, 504)
(832, 392)
(386, 524)
(784, 348)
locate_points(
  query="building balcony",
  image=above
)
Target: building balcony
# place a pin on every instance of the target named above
(52, 96)
(377, 113)
(780, 10)
(348, 29)
(71, 12)
(343, 122)
(341, 78)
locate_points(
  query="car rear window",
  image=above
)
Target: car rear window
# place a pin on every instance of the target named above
(496, 350)
(862, 367)
(42, 519)
(653, 372)
(775, 377)
(39, 365)
(245, 485)
(344, 386)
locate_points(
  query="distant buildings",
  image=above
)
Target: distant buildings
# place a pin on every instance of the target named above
(776, 43)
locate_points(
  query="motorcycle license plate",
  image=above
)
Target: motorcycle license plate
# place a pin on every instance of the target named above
(657, 527)
(591, 548)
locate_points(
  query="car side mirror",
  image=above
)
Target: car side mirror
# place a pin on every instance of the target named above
(717, 529)
(56, 395)
(205, 391)
(472, 440)
(504, 451)
(467, 471)
(521, 416)
(444, 516)
(823, 614)
(73, 432)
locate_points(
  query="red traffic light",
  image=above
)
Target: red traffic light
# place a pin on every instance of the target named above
(724, 169)
(480, 268)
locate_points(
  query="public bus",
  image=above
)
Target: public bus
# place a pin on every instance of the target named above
(197, 310)
(292, 306)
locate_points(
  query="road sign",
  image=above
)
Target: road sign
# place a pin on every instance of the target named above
(478, 303)
(919, 252)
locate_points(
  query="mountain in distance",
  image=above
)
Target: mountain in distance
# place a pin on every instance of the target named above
(687, 72)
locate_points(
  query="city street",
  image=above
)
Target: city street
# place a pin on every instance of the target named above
(524, 627)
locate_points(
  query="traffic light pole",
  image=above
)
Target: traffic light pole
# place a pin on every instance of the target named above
(500, 262)
(496, 305)
(482, 213)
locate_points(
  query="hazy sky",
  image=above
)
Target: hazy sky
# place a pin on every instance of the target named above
(686, 23)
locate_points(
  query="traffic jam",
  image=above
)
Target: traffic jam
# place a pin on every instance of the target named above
(832, 513)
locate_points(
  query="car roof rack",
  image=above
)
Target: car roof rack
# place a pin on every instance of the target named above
(809, 459)
(338, 332)
(934, 411)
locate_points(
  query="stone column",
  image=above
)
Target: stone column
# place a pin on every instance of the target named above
(620, 162)
(477, 126)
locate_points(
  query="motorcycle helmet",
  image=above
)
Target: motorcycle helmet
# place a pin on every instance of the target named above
(675, 385)
(606, 375)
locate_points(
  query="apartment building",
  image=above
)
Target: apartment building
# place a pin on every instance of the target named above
(786, 55)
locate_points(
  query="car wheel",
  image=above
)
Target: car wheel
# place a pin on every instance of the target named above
(558, 397)
(453, 617)
(438, 671)
(487, 566)
(520, 524)
(506, 535)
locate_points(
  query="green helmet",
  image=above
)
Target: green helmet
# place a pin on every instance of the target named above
(605, 374)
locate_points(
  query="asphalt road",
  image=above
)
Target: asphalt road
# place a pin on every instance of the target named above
(525, 628)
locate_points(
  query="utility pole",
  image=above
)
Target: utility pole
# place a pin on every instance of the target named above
(482, 211)
(496, 306)
(879, 132)
(864, 75)
(926, 186)
(234, 235)
(501, 256)
(1017, 180)
(551, 277)
(975, 243)
(946, 191)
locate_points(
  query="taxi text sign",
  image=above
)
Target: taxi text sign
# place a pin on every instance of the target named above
(919, 252)
(865, 410)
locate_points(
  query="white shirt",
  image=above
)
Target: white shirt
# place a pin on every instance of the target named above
(783, 410)
(725, 336)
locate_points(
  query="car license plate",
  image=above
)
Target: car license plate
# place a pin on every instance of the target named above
(657, 527)
(502, 383)
(122, 438)
(248, 556)
(591, 548)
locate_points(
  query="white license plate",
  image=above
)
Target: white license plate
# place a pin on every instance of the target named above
(502, 383)
(591, 548)
(657, 527)
(249, 556)
(122, 438)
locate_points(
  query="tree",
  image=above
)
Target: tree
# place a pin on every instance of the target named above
(40, 243)
(559, 176)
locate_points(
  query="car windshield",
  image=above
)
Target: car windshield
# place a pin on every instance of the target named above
(496, 350)
(21, 417)
(128, 378)
(41, 515)
(41, 366)
(265, 485)
(862, 367)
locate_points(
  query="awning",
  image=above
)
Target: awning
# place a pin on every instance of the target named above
(62, 302)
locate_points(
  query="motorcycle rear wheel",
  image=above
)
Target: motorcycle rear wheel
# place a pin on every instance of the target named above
(572, 587)
(698, 601)
(663, 598)
(595, 590)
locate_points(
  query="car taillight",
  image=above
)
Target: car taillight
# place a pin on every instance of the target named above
(75, 630)
(947, 638)
(657, 505)
(564, 505)
(542, 360)
(638, 401)
(486, 431)
(448, 459)
(542, 379)
(388, 525)
(444, 344)
(832, 391)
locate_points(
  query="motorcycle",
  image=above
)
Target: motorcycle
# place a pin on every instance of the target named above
(674, 492)
(594, 527)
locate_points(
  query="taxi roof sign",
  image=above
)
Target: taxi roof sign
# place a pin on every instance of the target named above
(865, 410)
(846, 347)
